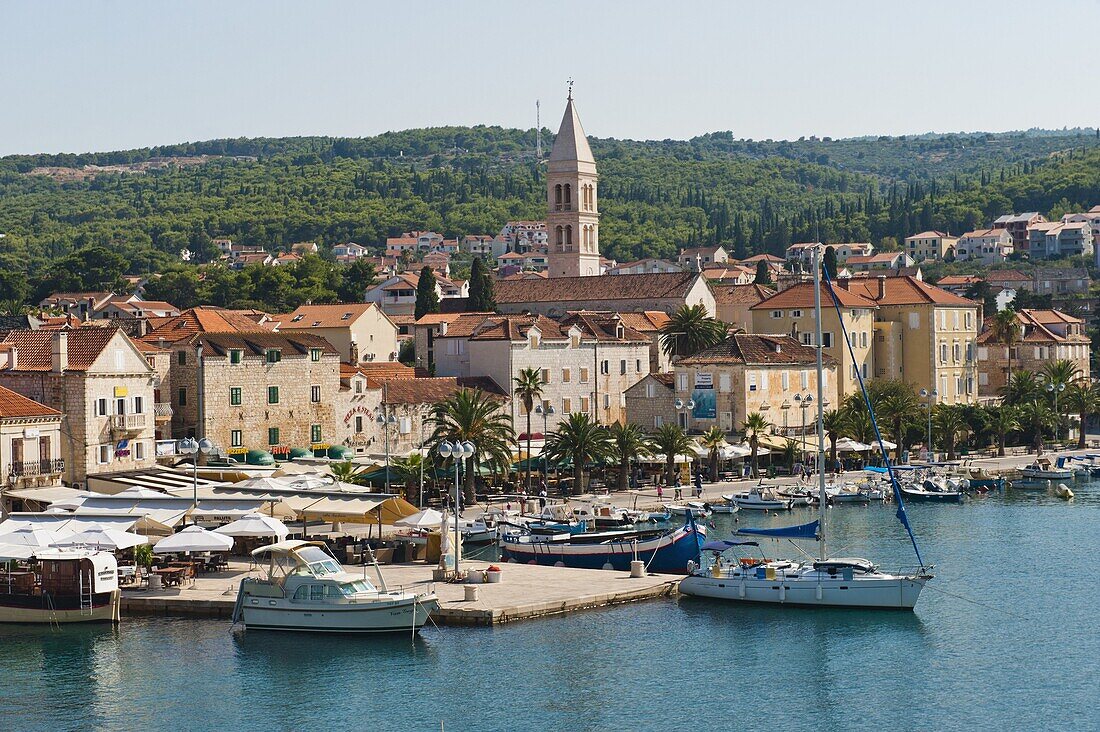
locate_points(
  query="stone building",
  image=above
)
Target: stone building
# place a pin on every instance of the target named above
(1044, 336)
(102, 385)
(265, 391)
(556, 296)
(573, 219)
(734, 303)
(30, 442)
(649, 403)
(929, 245)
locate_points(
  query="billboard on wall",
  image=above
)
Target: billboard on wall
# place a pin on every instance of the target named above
(704, 397)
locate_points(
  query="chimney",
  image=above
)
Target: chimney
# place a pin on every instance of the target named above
(8, 356)
(698, 263)
(881, 287)
(59, 361)
(845, 283)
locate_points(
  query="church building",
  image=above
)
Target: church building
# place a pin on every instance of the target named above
(572, 217)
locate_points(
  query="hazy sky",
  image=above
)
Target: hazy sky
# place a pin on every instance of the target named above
(89, 75)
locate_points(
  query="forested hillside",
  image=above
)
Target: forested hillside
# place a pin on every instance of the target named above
(656, 196)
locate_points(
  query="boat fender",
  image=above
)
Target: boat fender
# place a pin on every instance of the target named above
(819, 590)
(606, 565)
(691, 566)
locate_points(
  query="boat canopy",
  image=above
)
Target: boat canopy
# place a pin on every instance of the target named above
(801, 531)
(721, 545)
(104, 565)
(284, 548)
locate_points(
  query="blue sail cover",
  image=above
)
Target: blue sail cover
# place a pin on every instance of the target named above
(721, 545)
(802, 531)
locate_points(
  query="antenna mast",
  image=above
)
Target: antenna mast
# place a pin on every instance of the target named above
(538, 132)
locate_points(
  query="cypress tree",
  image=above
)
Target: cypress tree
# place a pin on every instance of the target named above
(830, 262)
(763, 274)
(427, 299)
(482, 298)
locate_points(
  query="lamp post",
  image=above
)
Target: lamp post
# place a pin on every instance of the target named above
(386, 421)
(684, 408)
(459, 451)
(1056, 389)
(546, 414)
(804, 403)
(930, 400)
(191, 446)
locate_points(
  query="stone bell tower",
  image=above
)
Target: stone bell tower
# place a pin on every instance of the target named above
(572, 219)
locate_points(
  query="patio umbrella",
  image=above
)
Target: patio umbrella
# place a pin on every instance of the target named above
(847, 444)
(194, 539)
(426, 519)
(104, 538)
(9, 552)
(254, 524)
(32, 537)
(297, 469)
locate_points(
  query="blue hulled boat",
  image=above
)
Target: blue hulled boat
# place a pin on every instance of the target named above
(662, 551)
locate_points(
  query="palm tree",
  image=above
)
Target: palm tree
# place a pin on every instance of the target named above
(1000, 421)
(580, 440)
(836, 425)
(475, 416)
(689, 330)
(627, 442)
(528, 388)
(949, 424)
(347, 472)
(789, 453)
(900, 409)
(1006, 330)
(1036, 417)
(713, 439)
(755, 424)
(1022, 387)
(1084, 399)
(1058, 376)
(408, 470)
(670, 440)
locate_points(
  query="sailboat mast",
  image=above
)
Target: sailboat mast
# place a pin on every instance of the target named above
(822, 497)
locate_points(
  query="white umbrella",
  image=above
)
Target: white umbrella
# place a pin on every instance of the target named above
(888, 445)
(8, 552)
(262, 483)
(847, 444)
(40, 538)
(194, 539)
(254, 524)
(104, 538)
(426, 519)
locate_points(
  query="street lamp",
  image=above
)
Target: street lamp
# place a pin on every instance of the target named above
(1056, 389)
(386, 422)
(684, 408)
(804, 403)
(546, 414)
(930, 400)
(459, 451)
(191, 446)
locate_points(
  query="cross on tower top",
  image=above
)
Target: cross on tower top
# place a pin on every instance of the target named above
(570, 95)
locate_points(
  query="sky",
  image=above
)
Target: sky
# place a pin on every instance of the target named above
(109, 74)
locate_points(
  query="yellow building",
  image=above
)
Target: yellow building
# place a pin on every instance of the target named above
(932, 245)
(924, 335)
(791, 312)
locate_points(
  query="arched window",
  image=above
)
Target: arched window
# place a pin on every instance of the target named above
(557, 197)
(568, 238)
(560, 237)
(568, 197)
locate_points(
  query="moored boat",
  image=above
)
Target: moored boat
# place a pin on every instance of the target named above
(1041, 469)
(306, 589)
(754, 500)
(662, 551)
(67, 586)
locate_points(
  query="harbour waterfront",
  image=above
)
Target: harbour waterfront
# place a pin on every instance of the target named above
(1026, 657)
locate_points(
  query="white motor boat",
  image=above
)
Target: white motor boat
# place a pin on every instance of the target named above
(1041, 469)
(306, 589)
(797, 496)
(698, 510)
(726, 506)
(754, 500)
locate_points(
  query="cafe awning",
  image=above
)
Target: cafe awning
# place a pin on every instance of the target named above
(362, 509)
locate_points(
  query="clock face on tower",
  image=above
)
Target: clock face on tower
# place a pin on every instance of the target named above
(572, 218)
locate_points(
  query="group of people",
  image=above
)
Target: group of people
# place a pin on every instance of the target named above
(678, 489)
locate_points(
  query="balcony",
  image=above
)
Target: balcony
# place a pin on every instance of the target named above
(162, 411)
(122, 424)
(33, 468)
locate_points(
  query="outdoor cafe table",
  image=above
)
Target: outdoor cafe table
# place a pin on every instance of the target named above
(171, 575)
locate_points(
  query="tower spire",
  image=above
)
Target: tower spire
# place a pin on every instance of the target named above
(569, 96)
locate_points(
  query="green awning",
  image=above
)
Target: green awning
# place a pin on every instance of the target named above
(259, 457)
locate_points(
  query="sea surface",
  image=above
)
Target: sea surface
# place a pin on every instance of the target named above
(1004, 638)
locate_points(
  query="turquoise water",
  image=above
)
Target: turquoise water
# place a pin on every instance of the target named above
(1029, 658)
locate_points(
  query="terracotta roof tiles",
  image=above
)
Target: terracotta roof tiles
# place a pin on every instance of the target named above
(34, 348)
(14, 406)
(653, 285)
(802, 296)
(753, 349)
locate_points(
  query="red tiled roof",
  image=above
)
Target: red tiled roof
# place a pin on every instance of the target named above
(906, 291)
(802, 296)
(204, 320)
(753, 349)
(323, 316)
(741, 294)
(258, 343)
(1007, 275)
(435, 389)
(34, 348)
(653, 285)
(376, 373)
(14, 405)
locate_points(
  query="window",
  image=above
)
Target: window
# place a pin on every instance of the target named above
(584, 404)
(956, 352)
(955, 319)
(234, 396)
(943, 353)
(139, 451)
(682, 382)
(272, 395)
(139, 405)
(315, 433)
(658, 421)
(236, 438)
(566, 405)
(584, 374)
(804, 379)
(622, 367)
(104, 455)
(807, 340)
(751, 375)
(101, 407)
(796, 313)
(777, 314)
(181, 397)
(181, 358)
(863, 369)
(827, 340)
(638, 365)
(914, 321)
(863, 339)
(785, 380)
(273, 435)
(546, 376)
(358, 423)
(565, 375)
(315, 354)
(274, 355)
(358, 386)
(235, 355)
(315, 394)
(723, 382)
(650, 391)
(966, 319)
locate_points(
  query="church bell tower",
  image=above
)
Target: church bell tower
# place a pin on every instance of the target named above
(572, 219)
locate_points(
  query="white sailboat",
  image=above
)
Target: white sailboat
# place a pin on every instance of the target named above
(825, 581)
